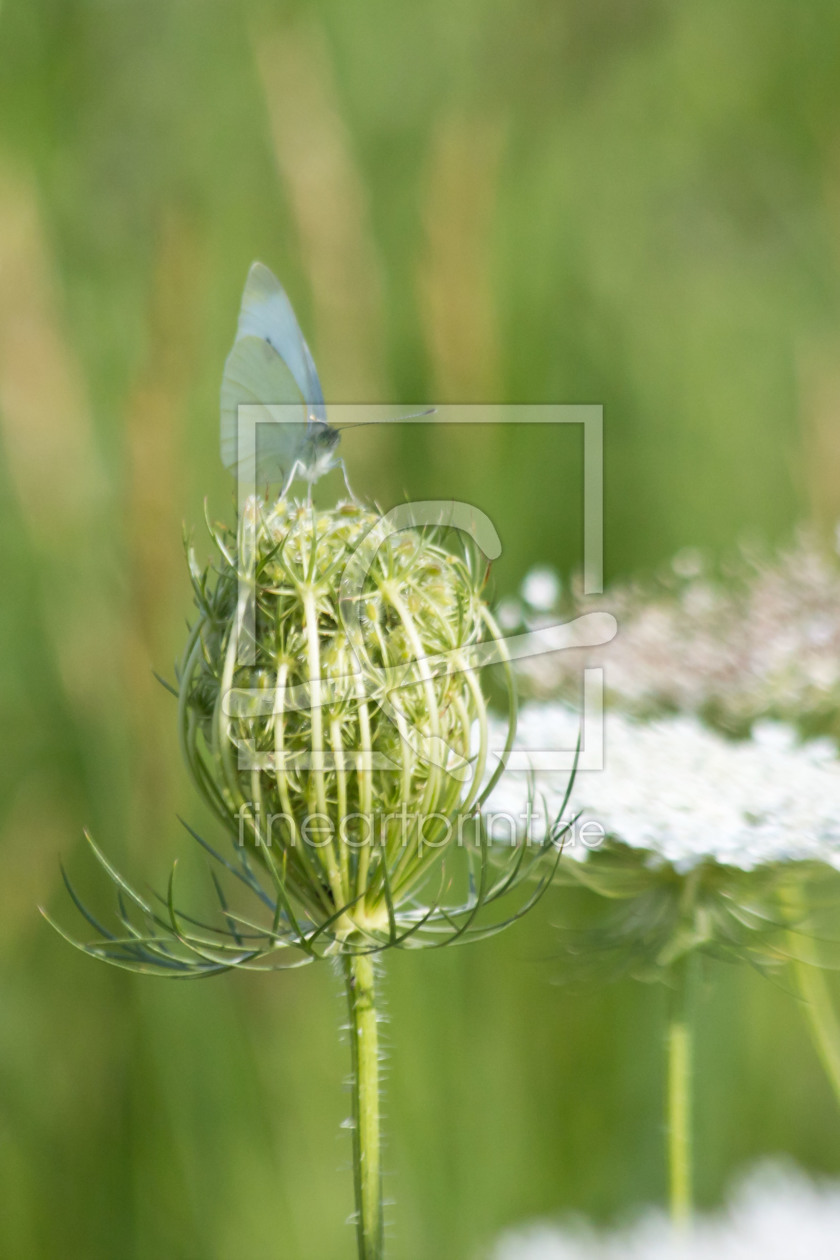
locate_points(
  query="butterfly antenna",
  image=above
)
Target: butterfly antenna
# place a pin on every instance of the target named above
(363, 424)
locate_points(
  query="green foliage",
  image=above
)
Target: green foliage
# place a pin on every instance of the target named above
(652, 916)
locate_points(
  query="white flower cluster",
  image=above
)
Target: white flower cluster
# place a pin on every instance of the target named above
(683, 792)
(777, 1214)
(760, 637)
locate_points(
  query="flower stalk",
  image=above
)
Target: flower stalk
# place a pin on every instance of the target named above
(680, 1052)
(360, 980)
(822, 1019)
(813, 988)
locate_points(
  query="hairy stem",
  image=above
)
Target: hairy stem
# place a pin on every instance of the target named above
(367, 1171)
(679, 1109)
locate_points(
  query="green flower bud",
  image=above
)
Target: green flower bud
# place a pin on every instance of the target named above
(332, 714)
(329, 700)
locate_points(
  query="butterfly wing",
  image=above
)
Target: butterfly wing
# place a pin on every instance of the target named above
(270, 363)
(255, 374)
(267, 313)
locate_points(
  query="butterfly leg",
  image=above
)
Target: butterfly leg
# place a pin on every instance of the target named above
(287, 485)
(341, 464)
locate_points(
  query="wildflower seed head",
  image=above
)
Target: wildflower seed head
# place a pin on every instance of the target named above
(332, 715)
(330, 705)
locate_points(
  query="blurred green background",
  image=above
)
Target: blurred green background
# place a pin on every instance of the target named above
(576, 201)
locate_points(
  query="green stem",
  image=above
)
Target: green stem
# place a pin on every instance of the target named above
(825, 1027)
(679, 1118)
(367, 1172)
(822, 1017)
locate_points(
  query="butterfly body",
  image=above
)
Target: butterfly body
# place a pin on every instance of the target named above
(271, 371)
(318, 453)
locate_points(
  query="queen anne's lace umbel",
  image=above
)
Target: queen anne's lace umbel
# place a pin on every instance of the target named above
(683, 792)
(759, 636)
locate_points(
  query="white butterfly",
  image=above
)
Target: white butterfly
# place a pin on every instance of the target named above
(269, 364)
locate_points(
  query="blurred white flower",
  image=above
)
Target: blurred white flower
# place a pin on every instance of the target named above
(509, 614)
(776, 1214)
(541, 589)
(683, 792)
(761, 637)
